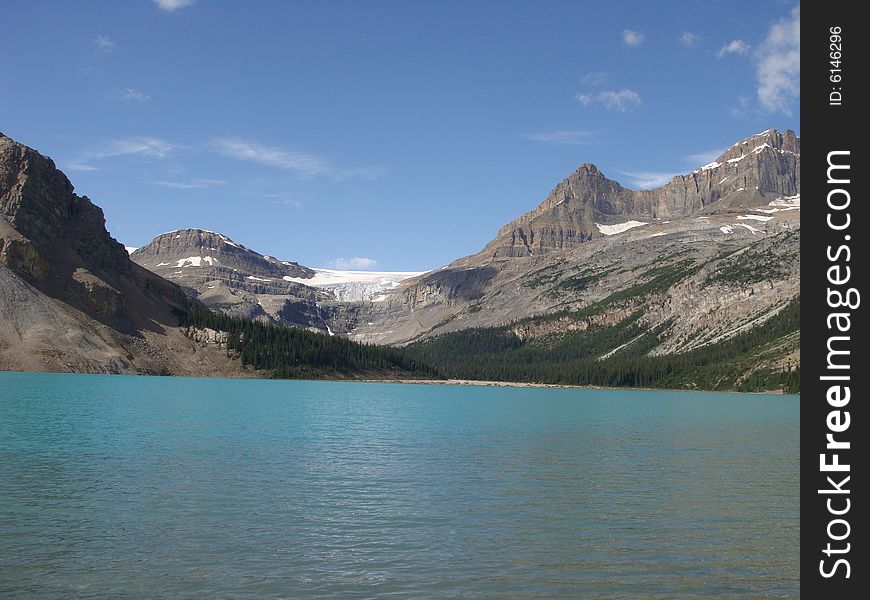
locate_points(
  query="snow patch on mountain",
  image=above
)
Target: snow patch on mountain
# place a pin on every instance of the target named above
(356, 286)
(194, 261)
(619, 227)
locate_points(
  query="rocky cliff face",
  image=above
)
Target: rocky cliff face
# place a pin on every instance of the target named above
(227, 276)
(699, 260)
(57, 241)
(710, 254)
(752, 172)
(70, 298)
(199, 252)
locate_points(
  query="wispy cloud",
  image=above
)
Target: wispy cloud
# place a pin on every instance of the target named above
(305, 166)
(193, 184)
(778, 66)
(654, 179)
(129, 95)
(733, 47)
(575, 138)
(288, 202)
(617, 100)
(278, 198)
(104, 44)
(135, 146)
(596, 78)
(649, 179)
(359, 263)
(78, 167)
(705, 157)
(632, 38)
(689, 39)
(742, 109)
(173, 5)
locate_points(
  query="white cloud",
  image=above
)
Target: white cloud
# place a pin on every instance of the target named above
(173, 5)
(104, 44)
(306, 166)
(594, 78)
(632, 38)
(689, 39)
(560, 137)
(193, 184)
(358, 263)
(130, 95)
(303, 164)
(78, 167)
(649, 179)
(733, 47)
(778, 66)
(135, 146)
(621, 100)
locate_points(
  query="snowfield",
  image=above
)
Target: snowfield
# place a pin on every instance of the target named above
(356, 286)
(619, 227)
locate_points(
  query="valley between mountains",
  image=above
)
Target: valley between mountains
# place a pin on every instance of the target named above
(695, 284)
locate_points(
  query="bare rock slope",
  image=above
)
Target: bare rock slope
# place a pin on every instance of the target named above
(747, 175)
(70, 297)
(229, 277)
(702, 259)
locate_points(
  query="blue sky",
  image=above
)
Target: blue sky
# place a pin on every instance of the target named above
(389, 135)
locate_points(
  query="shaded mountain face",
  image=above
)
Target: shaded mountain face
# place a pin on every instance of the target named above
(57, 241)
(750, 173)
(70, 297)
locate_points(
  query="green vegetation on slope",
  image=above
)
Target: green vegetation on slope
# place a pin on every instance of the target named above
(288, 353)
(755, 263)
(573, 357)
(497, 353)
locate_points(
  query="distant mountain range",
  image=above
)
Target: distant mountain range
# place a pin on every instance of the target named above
(229, 277)
(682, 269)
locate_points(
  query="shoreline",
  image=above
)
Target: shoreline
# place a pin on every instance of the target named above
(453, 382)
(526, 384)
(482, 383)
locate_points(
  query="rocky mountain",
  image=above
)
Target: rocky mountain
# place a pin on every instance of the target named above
(699, 261)
(588, 205)
(229, 277)
(70, 297)
(200, 248)
(706, 268)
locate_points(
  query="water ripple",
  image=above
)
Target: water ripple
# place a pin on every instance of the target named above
(127, 487)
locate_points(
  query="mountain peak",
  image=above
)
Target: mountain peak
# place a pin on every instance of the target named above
(751, 172)
(208, 251)
(769, 140)
(195, 237)
(57, 242)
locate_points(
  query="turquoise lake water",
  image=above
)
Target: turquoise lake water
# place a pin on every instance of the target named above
(132, 487)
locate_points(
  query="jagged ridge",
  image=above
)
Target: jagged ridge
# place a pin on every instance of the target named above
(752, 172)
